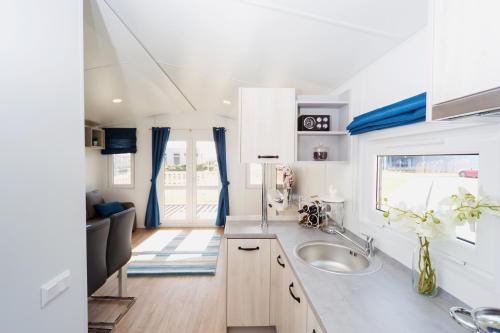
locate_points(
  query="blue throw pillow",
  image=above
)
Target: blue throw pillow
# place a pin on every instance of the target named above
(109, 208)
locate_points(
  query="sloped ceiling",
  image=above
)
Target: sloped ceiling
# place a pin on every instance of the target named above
(207, 49)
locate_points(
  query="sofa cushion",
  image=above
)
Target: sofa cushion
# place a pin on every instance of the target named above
(109, 208)
(93, 198)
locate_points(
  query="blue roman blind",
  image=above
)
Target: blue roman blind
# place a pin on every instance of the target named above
(120, 141)
(405, 112)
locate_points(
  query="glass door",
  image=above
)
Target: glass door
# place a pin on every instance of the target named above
(191, 180)
(176, 182)
(206, 182)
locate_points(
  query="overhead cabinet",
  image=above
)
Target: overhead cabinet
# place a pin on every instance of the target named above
(266, 120)
(94, 137)
(276, 126)
(466, 52)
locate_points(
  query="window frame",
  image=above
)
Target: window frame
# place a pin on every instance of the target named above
(191, 220)
(248, 172)
(111, 167)
(272, 180)
(476, 263)
(378, 182)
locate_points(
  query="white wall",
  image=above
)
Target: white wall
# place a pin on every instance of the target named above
(95, 170)
(42, 168)
(465, 271)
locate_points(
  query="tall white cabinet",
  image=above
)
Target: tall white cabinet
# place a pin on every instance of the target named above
(466, 48)
(267, 118)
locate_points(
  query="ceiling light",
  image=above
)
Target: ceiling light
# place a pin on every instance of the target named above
(225, 101)
(117, 100)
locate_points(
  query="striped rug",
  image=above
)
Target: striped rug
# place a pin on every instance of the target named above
(176, 252)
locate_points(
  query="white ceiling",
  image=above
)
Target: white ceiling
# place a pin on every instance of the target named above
(209, 48)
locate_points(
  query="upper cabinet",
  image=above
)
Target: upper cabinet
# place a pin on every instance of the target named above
(321, 134)
(276, 126)
(94, 137)
(466, 48)
(266, 118)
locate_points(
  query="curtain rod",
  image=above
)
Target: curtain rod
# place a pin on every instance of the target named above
(192, 129)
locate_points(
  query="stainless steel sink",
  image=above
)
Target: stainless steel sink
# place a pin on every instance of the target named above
(336, 258)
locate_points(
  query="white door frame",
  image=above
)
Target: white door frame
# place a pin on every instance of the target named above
(190, 137)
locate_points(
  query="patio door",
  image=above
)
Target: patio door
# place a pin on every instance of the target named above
(190, 180)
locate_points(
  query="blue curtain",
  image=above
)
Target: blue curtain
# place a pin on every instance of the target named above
(220, 147)
(405, 112)
(160, 138)
(119, 141)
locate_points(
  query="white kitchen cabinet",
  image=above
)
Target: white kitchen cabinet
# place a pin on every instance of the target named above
(466, 48)
(248, 282)
(312, 322)
(266, 125)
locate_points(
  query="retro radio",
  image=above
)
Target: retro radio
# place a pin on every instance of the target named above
(314, 123)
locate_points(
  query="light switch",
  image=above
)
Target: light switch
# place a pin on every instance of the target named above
(54, 287)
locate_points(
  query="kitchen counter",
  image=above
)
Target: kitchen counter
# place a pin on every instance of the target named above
(380, 302)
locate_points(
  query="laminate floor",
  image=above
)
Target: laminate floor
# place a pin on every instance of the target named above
(166, 304)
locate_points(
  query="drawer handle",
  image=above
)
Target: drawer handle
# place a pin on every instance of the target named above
(268, 156)
(291, 293)
(248, 248)
(278, 261)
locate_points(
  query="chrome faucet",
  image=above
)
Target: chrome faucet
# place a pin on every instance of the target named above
(367, 249)
(264, 222)
(369, 245)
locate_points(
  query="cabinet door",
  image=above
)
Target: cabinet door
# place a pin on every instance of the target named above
(296, 308)
(312, 322)
(274, 305)
(267, 120)
(279, 267)
(248, 282)
(466, 52)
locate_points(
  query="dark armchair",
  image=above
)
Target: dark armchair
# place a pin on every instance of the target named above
(115, 249)
(97, 240)
(109, 248)
(119, 248)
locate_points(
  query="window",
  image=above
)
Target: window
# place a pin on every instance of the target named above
(424, 180)
(254, 176)
(122, 170)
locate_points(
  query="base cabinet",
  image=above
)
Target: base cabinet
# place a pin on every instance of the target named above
(248, 282)
(279, 266)
(262, 289)
(312, 322)
(294, 306)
